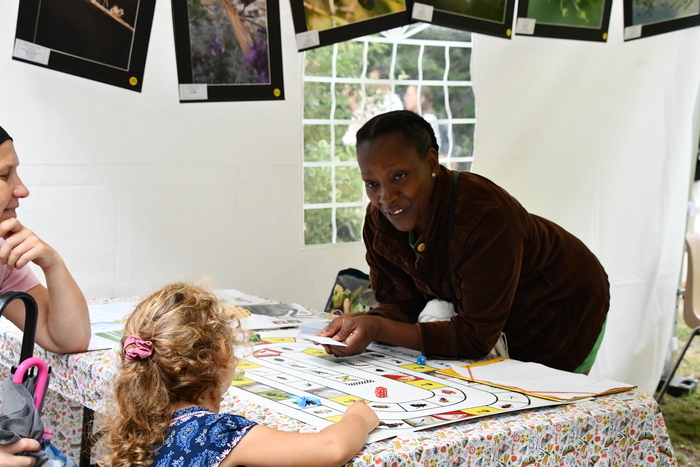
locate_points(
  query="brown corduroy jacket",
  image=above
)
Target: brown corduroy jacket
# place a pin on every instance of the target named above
(511, 272)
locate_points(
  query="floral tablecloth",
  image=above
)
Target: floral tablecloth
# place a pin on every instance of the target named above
(625, 429)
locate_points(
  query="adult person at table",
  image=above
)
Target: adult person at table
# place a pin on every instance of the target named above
(506, 270)
(63, 325)
(9, 457)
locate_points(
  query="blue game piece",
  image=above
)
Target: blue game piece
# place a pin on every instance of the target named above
(304, 401)
(421, 360)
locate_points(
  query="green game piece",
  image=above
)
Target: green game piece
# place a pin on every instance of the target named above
(255, 338)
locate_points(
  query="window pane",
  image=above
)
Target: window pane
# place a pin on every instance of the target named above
(317, 185)
(348, 184)
(407, 61)
(316, 143)
(460, 58)
(400, 91)
(317, 226)
(318, 61)
(462, 102)
(378, 60)
(344, 142)
(432, 101)
(348, 99)
(446, 140)
(463, 139)
(349, 64)
(317, 100)
(348, 223)
(434, 63)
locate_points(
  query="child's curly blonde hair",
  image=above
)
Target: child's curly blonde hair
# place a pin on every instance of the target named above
(193, 338)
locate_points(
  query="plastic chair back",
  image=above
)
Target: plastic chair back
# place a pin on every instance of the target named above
(691, 303)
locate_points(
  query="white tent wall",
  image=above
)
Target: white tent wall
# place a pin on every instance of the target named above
(600, 138)
(136, 190)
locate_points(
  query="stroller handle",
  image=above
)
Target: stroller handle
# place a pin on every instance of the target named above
(30, 321)
(42, 378)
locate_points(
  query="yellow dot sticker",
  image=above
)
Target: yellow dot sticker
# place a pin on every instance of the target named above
(277, 92)
(509, 32)
(605, 36)
(133, 81)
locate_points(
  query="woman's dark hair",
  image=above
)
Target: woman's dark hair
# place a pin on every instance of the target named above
(416, 131)
(4, 136)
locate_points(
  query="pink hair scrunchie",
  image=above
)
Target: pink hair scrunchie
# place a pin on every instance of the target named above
(135, 347)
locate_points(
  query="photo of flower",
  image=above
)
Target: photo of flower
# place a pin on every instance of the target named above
(579, 13)
(489, 10)
(228, 50)
(327, 14)
(493, 17)
(229, 41)
(655, 11)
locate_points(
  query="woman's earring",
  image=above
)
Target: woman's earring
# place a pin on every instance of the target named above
(434, 174)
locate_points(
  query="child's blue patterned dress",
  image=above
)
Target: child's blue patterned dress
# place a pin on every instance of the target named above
(199, 437)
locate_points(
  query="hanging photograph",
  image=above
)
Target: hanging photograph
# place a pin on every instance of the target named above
(645, 18)
(102, 40)
(228, 50)
(319, 23)
(493, 17)
(586, 20)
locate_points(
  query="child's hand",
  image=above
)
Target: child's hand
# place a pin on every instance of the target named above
(22, 246)
(361, 409)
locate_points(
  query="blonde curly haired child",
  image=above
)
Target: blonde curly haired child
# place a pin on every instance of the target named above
(177, 362)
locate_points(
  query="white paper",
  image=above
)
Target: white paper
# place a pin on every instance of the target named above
(422, 12)
(107, 323)
(309, 330)
(539, 379)
(308, 39)
(110, 312)
(267, 314)
(32, 52)
(633, 32)
(525, 26)
(192, 92)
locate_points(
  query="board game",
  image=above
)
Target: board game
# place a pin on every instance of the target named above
(297, 378)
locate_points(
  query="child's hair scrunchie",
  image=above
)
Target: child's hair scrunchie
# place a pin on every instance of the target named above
(135, 347)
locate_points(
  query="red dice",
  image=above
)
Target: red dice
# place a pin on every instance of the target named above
(380, 391)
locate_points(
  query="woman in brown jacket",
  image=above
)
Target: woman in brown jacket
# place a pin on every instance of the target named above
(434, 234)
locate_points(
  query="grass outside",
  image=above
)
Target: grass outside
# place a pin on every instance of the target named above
(682, 414)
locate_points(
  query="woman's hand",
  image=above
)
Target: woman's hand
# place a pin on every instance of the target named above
(357, 330)
(64, 323)
(22, 246)
(7, 453)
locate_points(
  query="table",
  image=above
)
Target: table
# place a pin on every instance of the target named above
(625, 429)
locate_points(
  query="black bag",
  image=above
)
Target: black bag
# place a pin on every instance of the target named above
(351, 293)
